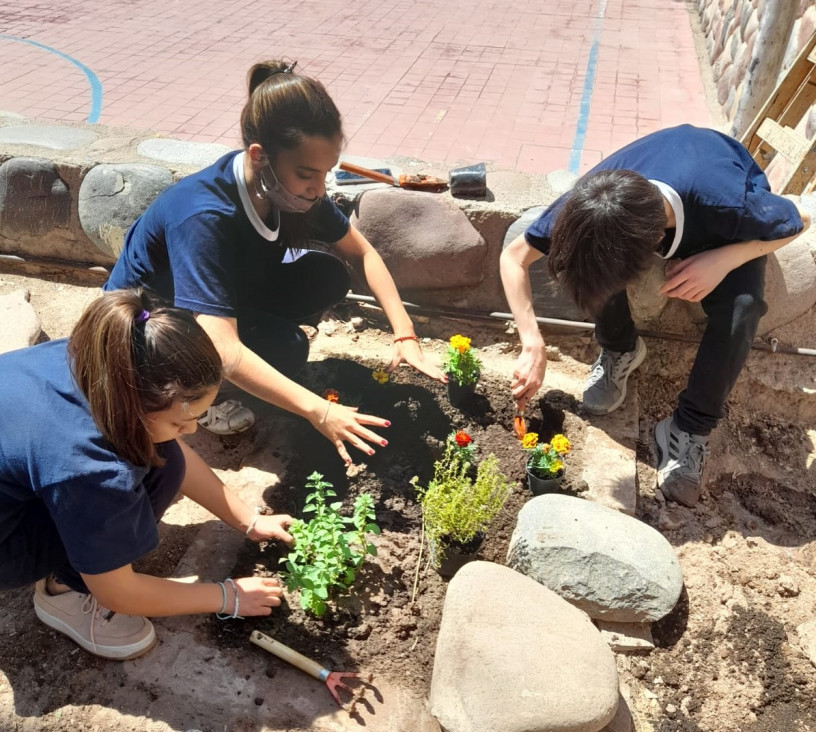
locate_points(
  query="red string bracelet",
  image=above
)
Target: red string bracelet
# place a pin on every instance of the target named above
(406, 338)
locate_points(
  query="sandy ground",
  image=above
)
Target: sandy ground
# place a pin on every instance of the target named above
(727, 658)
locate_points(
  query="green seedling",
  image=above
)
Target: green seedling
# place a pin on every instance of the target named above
(326, 553)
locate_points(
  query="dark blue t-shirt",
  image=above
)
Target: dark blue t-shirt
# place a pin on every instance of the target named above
(52, 451)
(196, 246)
(725, 195)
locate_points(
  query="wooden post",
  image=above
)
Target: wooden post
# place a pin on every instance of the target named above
(766, 60)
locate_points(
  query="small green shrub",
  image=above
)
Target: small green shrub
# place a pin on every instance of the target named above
(455, 506)
(326, 556)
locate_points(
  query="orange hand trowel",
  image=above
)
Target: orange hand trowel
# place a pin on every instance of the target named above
(409, 182)
(334, 679)
(519, 425)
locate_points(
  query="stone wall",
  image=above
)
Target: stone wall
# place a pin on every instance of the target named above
(730, 28)
(69, 193)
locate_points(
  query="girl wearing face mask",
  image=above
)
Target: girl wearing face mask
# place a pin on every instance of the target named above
(230, 244)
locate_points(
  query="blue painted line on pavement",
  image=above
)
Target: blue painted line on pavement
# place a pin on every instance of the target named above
(586, 98)
(93, 79)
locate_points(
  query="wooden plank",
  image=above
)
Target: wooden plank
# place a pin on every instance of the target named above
(784, 140)
(795, 83)
(802, 174)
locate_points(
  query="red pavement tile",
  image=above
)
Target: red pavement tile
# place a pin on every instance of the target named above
(410, 78)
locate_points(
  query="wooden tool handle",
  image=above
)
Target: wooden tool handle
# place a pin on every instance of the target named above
(298, 660)
(366, 173)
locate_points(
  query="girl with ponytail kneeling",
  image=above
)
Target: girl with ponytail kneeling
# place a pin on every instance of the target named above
(90, 459)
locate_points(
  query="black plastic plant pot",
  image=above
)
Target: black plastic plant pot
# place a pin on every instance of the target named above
(540, 486)
(459, 394)
(453, 555)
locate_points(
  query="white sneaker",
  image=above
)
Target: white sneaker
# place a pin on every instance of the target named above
(97, 629)
(228, 418)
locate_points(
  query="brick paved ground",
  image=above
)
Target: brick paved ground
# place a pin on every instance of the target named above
(532, 85)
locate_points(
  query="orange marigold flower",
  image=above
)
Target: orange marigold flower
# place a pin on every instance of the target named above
(463, 439)
(331, 395)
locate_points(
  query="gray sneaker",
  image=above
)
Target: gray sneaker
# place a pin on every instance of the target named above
(681, 457)
(605, 388)
(227, 418)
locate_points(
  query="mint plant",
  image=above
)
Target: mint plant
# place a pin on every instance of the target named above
(327, 554)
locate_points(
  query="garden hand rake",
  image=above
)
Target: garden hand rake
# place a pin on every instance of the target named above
(333, 679)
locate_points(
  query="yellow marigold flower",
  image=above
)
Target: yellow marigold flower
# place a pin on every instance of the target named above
(557, 466)
(380, 376)
(529, 441)
(561, 444)
(460, 343)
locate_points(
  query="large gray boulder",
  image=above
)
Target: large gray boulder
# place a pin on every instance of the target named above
(185, 152)
(112, 197)
(790, 284)
(33, 198)
(518, 659)
(425, 239)
(610, 565)
(53, 137)
(21, 324)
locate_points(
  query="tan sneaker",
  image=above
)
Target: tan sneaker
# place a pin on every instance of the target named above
(97, 629)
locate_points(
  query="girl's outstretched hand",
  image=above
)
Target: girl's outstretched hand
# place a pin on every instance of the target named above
(256, 596)
(409, 352)
(345, 424)
(273, 528)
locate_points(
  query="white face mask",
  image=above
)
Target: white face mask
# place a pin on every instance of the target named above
(281, 198)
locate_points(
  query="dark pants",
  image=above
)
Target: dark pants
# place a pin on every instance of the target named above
(298, 293)
(34, 549)
(733, 308)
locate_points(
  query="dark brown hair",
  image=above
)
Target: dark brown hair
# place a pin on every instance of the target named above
(284, 107)
(605, 235)
(127, 366)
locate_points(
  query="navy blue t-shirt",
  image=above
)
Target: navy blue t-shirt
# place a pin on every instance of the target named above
(725, 195)
(52, 451)
(196, 247)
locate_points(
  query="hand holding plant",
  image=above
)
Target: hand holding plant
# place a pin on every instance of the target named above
(326, 556)
(460, 363)
(545, 461)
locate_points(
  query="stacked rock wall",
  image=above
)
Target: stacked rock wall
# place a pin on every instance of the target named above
(69, 193)
(731, 28)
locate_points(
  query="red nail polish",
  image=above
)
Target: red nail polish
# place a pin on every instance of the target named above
(371, 452)
(384, 443)
(387, 424)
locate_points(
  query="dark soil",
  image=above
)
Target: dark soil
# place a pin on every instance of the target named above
(383, 625)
